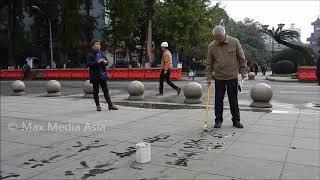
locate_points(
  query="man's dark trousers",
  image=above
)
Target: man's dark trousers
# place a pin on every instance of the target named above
(232, 90)
(104, 86)
(166, 76)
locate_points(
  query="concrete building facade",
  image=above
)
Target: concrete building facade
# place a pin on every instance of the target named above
(315, 36)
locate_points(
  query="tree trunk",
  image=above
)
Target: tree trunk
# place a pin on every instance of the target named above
(88, 19)
(142, 43)
(11, 33)
(149, 9)
(149, 44)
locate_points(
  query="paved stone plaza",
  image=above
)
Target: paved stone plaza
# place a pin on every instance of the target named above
(65, 138)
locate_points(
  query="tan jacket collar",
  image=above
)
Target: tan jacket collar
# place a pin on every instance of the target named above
(226, 41)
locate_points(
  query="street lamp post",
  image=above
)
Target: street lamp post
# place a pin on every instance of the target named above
(272, 43)
(50, 33)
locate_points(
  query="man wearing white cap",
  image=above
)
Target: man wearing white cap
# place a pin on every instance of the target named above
(166, 66)
(225, 60)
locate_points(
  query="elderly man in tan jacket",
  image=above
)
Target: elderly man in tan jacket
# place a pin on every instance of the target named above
(225, 60)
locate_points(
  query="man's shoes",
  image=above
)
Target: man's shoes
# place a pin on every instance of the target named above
(98, 108)
(159, 94)
(237, 125)
(217, 125)
(179, 91)
(113, 107)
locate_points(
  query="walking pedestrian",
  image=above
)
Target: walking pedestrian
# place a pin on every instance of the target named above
(225, 60)
(166, 66)
(256, 68)
(263, 69)
(97, 62)
(251, 66)
(27, 74)
(192, 69)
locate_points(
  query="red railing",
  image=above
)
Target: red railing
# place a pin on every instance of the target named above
(11, 74)
(115, 73)
(307, 73)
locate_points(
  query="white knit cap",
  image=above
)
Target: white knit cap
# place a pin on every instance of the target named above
(164, 44)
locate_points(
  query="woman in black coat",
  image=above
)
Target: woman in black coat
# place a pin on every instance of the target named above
(97, 62)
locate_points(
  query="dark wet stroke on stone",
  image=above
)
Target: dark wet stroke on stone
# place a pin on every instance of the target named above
(220, 135)
(217, 147)
(68, 173)
(91, 147)
(161, 138)
(200, 144)
(93, 172)
(79, 144)
(129, 151)
(9, 176)
(193, 143)
(103, 165)
(134, 166)
(34, 166)
(27, 163)
(179, 162)
(70, 156)
(99, 171)
(84, 164)
(50, 159)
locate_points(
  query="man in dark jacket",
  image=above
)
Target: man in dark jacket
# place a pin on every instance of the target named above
(97, 61)
(192, 69)
(264, 69)
(256, 68)
(27, 71)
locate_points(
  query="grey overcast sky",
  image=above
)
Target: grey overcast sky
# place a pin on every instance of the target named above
(273, 12)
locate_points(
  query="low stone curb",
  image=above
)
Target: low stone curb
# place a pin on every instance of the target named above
(281, 79)
(160, 105)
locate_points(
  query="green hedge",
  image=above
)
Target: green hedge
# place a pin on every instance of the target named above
(288, 54)
(284, 67)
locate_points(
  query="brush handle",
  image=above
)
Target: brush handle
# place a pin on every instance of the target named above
(207, 105)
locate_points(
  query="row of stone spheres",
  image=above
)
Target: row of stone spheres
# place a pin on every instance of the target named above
(260, 93)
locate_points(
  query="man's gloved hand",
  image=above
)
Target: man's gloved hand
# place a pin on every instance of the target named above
(165, 72)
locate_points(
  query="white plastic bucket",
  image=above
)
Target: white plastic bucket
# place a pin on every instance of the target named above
(143, 153)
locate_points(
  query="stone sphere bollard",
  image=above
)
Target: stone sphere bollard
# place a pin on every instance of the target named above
(136, 90)
(87, 89)
(18, 88)
(53, 88)
(251, 76)
(261, 95)
(192, 92)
